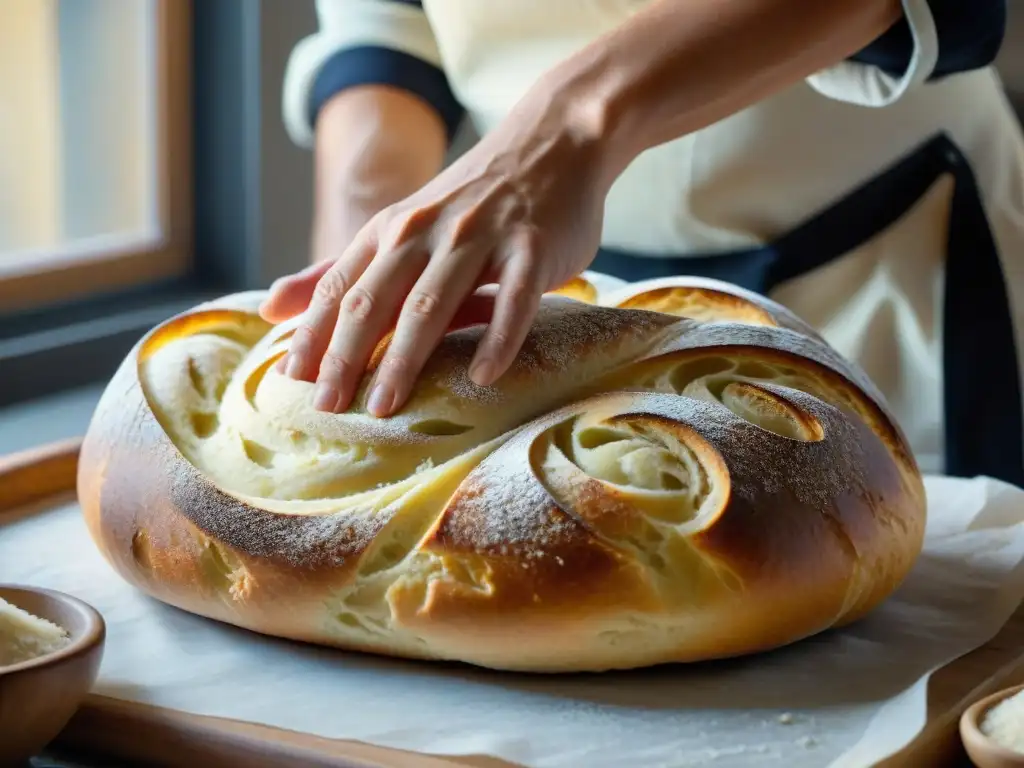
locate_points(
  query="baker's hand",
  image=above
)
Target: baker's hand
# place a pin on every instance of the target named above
(522, 209)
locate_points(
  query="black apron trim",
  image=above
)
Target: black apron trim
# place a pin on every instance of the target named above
(984, 424)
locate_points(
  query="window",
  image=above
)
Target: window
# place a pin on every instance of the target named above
(144, 167)
(95, 156)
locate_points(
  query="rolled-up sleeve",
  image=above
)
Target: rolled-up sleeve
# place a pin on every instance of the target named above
(365, 42)
(933, 40)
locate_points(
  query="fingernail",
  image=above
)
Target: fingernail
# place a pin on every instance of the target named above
(325, 398)
(382, 397)
(293, 368)
(482, 372)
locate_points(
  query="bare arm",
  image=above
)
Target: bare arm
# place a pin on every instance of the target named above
(524, 207)
(682, 65)
(375, 145)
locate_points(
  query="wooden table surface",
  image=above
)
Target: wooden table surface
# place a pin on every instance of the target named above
(30, 479)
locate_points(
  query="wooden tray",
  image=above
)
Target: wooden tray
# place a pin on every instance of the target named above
(33, 481)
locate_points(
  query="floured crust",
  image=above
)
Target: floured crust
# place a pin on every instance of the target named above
(642, 487)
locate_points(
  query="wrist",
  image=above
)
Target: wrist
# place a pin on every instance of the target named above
(591, 100)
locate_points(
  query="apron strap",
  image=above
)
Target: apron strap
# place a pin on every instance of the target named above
(984, 426)
(981, 376)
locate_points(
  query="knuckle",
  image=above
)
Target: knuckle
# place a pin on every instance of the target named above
(333, 364)
(461, 228)
(532, 239)
(396, 364)
(402, 228)
(331, 288)
(423, 305)
(357, 304)
(498, 338)
(303, 338)
(379, 221)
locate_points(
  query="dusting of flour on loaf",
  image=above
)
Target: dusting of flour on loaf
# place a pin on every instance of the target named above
(1004, 723)
(763, 463)
(506, 511)
(502, 505)
(774, 340)
(564, 333)
(311, 541)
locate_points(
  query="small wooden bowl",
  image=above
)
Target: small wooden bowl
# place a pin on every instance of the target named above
(984, 752)
(39, 696)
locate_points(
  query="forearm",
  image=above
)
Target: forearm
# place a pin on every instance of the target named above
(375, 145)
(680, 65)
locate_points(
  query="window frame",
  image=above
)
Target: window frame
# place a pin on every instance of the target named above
(243, 203)
(80, 269)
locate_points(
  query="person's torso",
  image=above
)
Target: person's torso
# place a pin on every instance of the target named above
(736, 183)
(758, 174)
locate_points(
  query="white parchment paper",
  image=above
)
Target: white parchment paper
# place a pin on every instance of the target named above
(846, 698)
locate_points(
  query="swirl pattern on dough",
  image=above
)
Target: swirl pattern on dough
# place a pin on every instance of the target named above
(677, 471)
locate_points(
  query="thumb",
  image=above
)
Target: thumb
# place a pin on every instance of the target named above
(290, 295)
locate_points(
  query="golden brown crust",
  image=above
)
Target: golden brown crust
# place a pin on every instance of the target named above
(640, 488)
(579, 288)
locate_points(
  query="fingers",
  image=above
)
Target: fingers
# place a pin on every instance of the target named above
(353, 303)
(290, 295)
(313, 334)
(515, 307)
(427, 314)
(367, 311)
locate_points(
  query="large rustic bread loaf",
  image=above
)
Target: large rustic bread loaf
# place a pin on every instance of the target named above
(641, 487)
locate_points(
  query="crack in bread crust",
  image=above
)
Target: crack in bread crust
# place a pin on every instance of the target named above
(684, 471)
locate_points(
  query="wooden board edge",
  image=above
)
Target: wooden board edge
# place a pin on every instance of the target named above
(125, 730)
(36, 479)
(37, 474)
(939, 741)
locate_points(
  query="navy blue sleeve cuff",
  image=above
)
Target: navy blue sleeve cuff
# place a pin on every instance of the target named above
(970, 35)
(376, 65)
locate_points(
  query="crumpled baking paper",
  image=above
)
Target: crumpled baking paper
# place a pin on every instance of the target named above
(845, 698)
